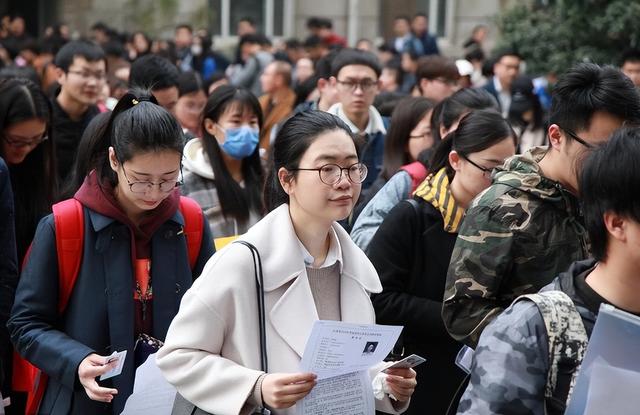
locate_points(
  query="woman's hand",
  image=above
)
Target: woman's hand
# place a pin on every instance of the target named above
(402, 383)
(283, 390)
(91, 367)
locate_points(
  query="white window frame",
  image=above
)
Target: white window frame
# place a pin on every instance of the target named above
(288, 13)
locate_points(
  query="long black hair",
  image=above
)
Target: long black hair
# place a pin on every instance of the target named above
(235, 201)
(34, 180)
(452, 108)
(136, 125)
(292, 141)
(477, 131)
(406, 115)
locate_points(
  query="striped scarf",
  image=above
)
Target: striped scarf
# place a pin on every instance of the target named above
(435, 191)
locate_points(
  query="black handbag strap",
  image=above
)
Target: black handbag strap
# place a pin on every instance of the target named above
(257, 266)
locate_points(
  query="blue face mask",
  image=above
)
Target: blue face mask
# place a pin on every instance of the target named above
(240, 142)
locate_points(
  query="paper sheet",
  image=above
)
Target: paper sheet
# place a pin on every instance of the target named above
(335, 348)
(340, 354)
(612, 390)
(152, 394)
(345, 394)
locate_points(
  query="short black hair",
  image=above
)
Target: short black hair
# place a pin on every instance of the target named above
(609, 183)
(355, 57)
(396, 65)
(588, 88)
(326, 23)
(100, 26)
(313, 23)
(293, 43)
(189, 82)
(253, 38)
(630, 55)
(248, 19)
(78, 48)
(153, 72)
(501, 53)
(323, 65)
(314, 41)
(436, 66)
(184, 26)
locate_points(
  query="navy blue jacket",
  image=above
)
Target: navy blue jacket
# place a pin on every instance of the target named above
(100, 315)
(8, 272)
(372, 155)
(423, 45)
(491, 88)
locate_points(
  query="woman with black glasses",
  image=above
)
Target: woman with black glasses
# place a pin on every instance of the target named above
(412, 248)
(312, 271)
(137, 258)
(26, 146)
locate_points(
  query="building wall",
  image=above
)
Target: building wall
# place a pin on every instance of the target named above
(372, 19)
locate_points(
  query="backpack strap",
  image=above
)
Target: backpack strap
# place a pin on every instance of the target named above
(68, 218)
(193, 222)
(567, 345)
(418, 173)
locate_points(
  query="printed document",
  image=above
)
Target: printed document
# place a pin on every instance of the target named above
(340, 354)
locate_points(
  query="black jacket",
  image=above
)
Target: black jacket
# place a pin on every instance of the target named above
(66, 134)
(411, 252)
(8, 273)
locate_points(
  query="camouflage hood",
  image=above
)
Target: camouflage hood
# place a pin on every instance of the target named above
(523, 172)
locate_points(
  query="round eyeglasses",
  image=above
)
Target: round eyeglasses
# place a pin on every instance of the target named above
(165, 186)
(19, 142)
(331, 174)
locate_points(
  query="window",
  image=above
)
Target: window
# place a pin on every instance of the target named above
(269, 16)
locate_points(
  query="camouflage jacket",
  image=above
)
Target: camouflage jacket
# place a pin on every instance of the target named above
(516, 237)
(511, 363)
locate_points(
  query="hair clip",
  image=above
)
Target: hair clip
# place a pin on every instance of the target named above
(134, 101)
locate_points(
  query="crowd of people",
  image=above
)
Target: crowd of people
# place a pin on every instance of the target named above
(377, 183)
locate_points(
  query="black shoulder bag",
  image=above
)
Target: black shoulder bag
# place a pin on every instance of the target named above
(181, 406)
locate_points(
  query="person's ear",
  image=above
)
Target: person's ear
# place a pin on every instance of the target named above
(210, 126)
(333, 81)
(556, 136)
(424, 85)
(113, 160)
(443, 131)
(455, 160)
(61, 76)
(285, 178)
(616, 225)
(322, 83)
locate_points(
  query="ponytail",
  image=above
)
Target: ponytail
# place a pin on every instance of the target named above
(477, 131)
(137, 124)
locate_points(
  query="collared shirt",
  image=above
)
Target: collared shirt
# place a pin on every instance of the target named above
(399, 43)
(503, 96)
(374, 125)
(334, 255)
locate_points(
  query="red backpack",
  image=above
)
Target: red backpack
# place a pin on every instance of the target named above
(68, 218)
(418, 173)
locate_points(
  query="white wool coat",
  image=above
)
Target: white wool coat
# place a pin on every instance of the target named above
(212, 349)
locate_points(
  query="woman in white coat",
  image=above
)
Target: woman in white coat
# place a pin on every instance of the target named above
(312, 270)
